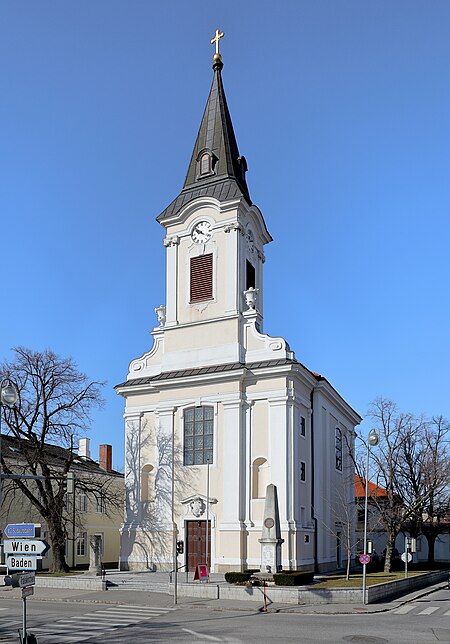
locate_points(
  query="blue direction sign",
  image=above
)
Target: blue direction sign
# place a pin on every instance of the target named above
(22, 530)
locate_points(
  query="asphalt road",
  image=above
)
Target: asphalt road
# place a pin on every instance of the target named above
(53, 622)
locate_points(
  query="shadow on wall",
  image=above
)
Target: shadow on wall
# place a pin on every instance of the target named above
(147, 533)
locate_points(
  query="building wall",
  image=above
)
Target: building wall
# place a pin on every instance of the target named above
(17, 509)
(257, 441)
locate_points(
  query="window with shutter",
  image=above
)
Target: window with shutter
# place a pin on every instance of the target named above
(201, 278)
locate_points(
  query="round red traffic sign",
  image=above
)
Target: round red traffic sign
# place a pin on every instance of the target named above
(364, 559)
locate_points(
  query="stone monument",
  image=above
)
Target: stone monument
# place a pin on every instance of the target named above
(271, 533)
(95, 556)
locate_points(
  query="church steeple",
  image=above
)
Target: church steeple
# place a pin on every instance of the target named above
(216, 168)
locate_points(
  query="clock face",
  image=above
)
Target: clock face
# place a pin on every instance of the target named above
(202, 232)
(250, 241)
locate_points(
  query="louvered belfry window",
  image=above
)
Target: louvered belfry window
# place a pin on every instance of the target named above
(201, 278)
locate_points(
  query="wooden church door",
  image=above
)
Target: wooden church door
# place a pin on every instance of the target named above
(196, 543)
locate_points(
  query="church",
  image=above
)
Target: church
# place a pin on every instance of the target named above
(217, 410)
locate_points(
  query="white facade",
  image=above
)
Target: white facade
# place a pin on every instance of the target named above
(211, 359)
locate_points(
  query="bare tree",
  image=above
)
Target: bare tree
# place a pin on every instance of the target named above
(411, 464)
(424, 480)
(393, 428)
(54, 407)
(343, 514)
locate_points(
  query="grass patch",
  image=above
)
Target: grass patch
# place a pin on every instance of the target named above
(355, 581)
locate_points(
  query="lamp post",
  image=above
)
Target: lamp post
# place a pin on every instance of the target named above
(372, 440)
(9, 395)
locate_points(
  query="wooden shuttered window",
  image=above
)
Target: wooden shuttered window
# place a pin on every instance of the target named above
(201, 278)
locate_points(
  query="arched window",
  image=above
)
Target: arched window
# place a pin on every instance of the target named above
(198, 435)
(205, 163)
(147, 483)
(338, 448)
(260, 478)
(206, 160)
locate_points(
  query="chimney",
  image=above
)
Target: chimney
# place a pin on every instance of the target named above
(84, 450)
(105, 457)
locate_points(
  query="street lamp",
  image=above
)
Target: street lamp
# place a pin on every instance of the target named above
(9, 395)
(372, 440)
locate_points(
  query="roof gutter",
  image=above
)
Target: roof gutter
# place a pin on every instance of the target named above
(313, 479)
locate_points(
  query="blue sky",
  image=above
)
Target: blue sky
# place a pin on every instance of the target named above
(342, 109)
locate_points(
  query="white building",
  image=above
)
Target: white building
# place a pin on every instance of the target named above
(215, 388)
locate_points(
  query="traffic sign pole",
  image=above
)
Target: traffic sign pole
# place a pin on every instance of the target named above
(24, 620)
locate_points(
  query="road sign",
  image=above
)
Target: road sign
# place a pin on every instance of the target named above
(27, 579)
(27, 591)
(26, 547)
(364, 559)
(20, 530)
(21, 562)
(403, 557)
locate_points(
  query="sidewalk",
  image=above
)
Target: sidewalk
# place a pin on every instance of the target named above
(149, 598)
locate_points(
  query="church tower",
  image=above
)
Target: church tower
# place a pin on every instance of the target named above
(216, 410)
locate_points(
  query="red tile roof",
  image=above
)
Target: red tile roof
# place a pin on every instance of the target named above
(360, 488)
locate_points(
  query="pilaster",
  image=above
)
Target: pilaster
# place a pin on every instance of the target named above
(234, 460)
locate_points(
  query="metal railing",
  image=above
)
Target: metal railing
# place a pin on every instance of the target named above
(178, 569)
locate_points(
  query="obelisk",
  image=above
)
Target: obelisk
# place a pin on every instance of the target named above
(271, 533)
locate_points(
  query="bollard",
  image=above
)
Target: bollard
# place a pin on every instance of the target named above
(265, 598)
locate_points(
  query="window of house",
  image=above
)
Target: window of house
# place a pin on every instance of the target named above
(82, 502)
(201, 278)
(302, 471)
(302, 426)
(198, 435)
(361, 516)
(81, 544)
(338, 448)
(250, 275)
(100, 502)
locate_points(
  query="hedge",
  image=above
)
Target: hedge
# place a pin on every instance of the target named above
(294, 578)
(237, 577)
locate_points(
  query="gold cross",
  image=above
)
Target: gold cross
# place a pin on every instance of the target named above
(216, 39)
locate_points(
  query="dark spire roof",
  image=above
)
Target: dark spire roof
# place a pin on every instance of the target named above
(226, 178)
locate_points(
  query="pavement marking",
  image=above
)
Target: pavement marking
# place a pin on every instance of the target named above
(12, 622)
(78, 628)
(429, 611)
(69, 628)
(125, 606)
(202, 635)
(404, 609)
(3, 609)
(133, 612)
(61, 639)
(105, 618)
(447, 614)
